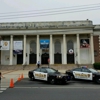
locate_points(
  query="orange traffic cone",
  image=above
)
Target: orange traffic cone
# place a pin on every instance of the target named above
(22, 76)
(19, 78)
(11, 83)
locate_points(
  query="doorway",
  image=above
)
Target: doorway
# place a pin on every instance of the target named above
(19, 58)
(32, 58)
(44, 58)
(70, 58)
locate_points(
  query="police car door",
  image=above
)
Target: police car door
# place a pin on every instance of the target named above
(77, 72)
(86, 74)
(40, 74)
(82, 73)
(43, 74)
(37, 73)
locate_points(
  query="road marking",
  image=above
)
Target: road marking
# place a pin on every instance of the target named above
(62, 87)
(3, 88)
(1, 91)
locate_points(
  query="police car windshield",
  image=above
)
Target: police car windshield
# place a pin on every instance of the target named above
(50, 70)
(92, 70)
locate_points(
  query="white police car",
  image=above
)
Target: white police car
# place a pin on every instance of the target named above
(84, 73)
(48, 74)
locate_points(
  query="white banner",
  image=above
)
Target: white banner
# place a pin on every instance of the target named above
(4, 45)
(18, 45)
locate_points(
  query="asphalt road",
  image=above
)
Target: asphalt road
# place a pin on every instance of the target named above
(38, 90)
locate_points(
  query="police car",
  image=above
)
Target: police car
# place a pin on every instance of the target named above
(85, 74)
(48, 74)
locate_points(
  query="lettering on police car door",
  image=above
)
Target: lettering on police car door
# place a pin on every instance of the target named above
(40, 76)
(81, 75)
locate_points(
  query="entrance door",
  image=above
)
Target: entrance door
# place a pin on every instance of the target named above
(57, 58)
(44, 58)
(19, 58)
(32, 58)
(70, 58)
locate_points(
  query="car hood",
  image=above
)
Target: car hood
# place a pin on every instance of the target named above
(98, 73)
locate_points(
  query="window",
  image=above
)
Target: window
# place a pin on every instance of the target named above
(43, 70)
(57, 47)
(77, 69)
(33, 47)
(69, 45)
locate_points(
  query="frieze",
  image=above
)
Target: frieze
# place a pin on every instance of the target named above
(44, 25)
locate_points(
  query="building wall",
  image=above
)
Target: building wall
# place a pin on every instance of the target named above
(96, 48)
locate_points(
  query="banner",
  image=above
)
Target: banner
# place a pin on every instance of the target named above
(4, 45)
(84, 43)
(44, 44)
(18, 45)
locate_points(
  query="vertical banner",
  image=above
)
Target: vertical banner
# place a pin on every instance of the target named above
(18, 47)
(84, 43)
(4, 45)
(44, 44)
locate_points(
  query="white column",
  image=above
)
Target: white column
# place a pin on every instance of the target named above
(64, 49)
(24, 52)
(51, 50)
(92, 48)
(11, 50)
(38, 48)
(78, 49)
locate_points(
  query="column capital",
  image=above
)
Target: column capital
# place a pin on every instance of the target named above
(63, 35)
(77, 35)
(50, 35)
(11, 36)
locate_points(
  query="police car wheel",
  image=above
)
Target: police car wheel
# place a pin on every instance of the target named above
(98, 80)
(52, 81)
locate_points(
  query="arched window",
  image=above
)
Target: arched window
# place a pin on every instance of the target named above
(57, 47)
(70, 45)
(33, 47)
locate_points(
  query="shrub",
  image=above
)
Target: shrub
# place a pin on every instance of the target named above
(96, 65)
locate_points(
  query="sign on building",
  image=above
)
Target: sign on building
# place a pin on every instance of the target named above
(4, 45)
(44, 44)
(18, 47)
(84, 43)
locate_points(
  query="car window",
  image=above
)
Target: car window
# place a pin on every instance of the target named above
(85, 70)
(77, 69)
(38, 70)
(51, 70)
(43, 70)
(93, 70)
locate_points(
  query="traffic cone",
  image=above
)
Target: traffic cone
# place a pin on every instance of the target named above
(19, 78)
(11, 83)
(22, 76)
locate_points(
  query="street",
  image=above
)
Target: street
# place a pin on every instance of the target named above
(39, 90)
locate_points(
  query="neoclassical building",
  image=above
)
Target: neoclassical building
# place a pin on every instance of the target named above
(63, 42)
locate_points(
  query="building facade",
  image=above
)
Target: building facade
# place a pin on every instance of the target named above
(63, 42)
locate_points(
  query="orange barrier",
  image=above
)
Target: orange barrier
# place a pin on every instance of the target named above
(11, 83)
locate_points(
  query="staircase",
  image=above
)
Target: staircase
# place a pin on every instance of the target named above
(30, 67)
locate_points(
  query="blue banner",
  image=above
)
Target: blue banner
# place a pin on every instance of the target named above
(44, 44)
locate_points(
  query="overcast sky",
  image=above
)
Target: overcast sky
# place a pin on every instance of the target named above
(47, 10)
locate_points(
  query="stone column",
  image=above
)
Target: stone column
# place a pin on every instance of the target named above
(51, 50)
(78, 49)
(38, 48)
(11, 50)
(24, 51)
(64, 49)
(92, 48)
